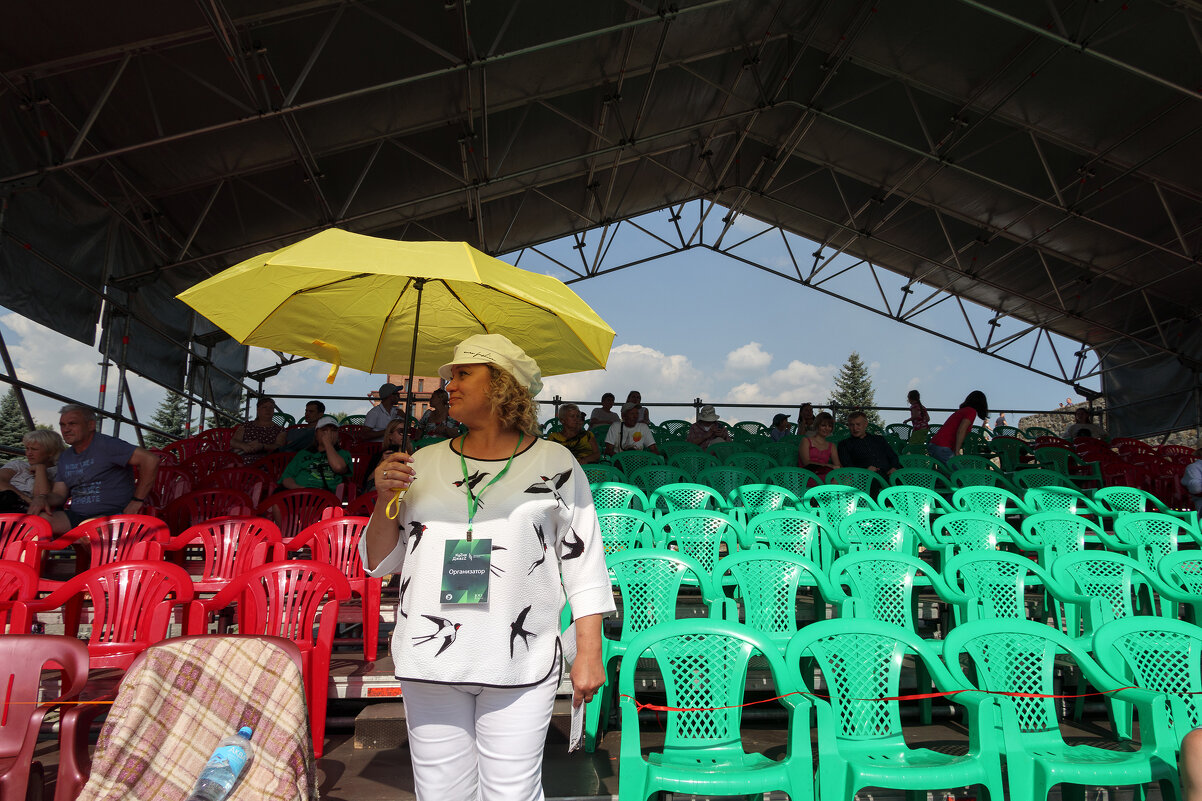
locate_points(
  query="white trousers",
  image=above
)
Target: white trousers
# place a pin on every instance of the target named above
(469, 742)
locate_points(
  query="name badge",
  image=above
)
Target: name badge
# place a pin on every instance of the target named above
(465, 571)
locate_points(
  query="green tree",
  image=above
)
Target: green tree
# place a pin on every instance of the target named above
(172, 417)
(12, 423)
(853, 390)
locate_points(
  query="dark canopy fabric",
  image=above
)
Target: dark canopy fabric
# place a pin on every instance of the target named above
(1036, 157)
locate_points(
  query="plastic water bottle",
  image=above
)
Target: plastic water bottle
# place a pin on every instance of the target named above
(224, 767)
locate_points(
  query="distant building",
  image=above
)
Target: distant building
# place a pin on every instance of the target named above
(423, 385)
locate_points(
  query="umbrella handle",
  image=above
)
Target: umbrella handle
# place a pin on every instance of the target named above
(394, 506)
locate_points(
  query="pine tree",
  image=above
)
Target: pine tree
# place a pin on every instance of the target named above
(224, 418)
(172, 417)
(12, 423)
(853, 390)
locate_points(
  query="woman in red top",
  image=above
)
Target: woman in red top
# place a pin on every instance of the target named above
(949, 439)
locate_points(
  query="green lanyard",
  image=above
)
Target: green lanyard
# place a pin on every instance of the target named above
(473, 498)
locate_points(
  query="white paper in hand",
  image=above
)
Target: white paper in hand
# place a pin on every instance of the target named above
(567, 641)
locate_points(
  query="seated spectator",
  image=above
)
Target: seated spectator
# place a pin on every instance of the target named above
(630, 434)
(321, 466)
(920, 418)
(707, 429)
(437, 421)
(805, 419)
(779, 428)
(96, 473)
(572, 435)
(394, 437)
(22, 479)
(1083, 428)
(301, 437)
(604, 414)
(869, 451)
(1192, 481)
(254, 440)
(949, 439)
(815, 453)
(378, 417)
(636, 398)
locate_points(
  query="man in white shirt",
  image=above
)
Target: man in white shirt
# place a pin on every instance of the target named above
(378, 417)
(630, 434)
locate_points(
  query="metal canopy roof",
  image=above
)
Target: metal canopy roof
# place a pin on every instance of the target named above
(1036, 157)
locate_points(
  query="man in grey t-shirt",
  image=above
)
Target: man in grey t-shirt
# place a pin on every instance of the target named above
(96, 472)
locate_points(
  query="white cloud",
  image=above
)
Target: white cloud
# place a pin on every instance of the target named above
(787, 387)
(874, 366)
(658, 376)
(749, 357)
(913, 383)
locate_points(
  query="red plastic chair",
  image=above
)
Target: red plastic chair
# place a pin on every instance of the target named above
(23, 538)
(335, 541)
(131, 607)
(363, 505)
(183, 449)
(1131, 447)
(118, 538)
(18, 582)
(295, 510)
(201, 505)
(170, 483)
(217, 439)
(166, 458)
(24, 656)
(250, 480)
(284, 600)
(273, 464)
(203, 465)
(229, 547)
(361, 457)
(353, 434)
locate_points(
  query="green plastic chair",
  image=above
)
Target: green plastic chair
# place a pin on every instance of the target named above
(618, 495)
(703, 665)
(995, 584)
(600, 472)
(971, 477)
(958, 532)
(749, 500)
(1010, 451)
(1151, 536)
(975, 443)
(795, 479)
(866, 481)
(765, 586)
(600, 432)
(783, 452)
(832, 504)
(629, 461)
(686, 495)
(1019, 656)
(693, 462)
(653, 476)
(923, 460)
(1061, 499)
(1160, 655)
(1054, 534)
(725, 449)
(968, 461)
(902, 431)
(1101, 586)
(1035, 432)
(753, 462)
(861, 741)
(699, 534)
(1115, 500)
(1006, 431)
(1183, 572)
(672, 447)
(649, 584)
(921, 477)
(989, 500)
(787, 531)
(1038, 477)
(876, 531)
(1067, 462)
(919, 505)
(675, 429)
(884, 585)
(724, 478)
(749, 427)
(625, 530)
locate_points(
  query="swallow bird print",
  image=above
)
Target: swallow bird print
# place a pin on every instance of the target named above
(552, 484)
(446, 629)
(416, 530)
(542, 540)
(574, 544)
(518, 629)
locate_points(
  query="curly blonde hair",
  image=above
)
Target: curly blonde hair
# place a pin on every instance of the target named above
(511, 402)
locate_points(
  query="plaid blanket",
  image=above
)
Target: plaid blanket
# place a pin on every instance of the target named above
(173, 709)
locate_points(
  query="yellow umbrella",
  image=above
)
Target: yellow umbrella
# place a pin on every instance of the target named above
(379, 305)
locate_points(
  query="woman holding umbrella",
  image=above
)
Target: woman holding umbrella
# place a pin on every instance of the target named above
(496, 526)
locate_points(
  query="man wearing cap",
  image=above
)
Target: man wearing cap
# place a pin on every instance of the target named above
(323, 465)
(378, 417)
(779, 428)
(707, 430)
(630, 434)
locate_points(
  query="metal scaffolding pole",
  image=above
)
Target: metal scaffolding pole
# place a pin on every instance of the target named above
(8, 366)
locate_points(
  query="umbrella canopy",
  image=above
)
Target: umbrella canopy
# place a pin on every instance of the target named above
(353, 300)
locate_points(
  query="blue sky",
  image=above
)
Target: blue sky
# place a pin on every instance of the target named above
(693, 324)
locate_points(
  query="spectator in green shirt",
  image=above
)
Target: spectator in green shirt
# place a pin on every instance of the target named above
(323, 465)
